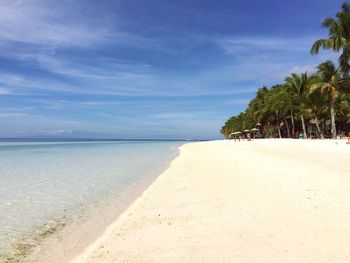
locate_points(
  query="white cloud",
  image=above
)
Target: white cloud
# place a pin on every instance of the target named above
(268, 60)
(234, 46)
(4, 91)
(124, 79)
(19, 84)
(45, 22)
(47, 26)
(48, 38)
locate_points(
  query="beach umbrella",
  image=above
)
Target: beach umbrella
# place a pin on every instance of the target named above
(258, 124)
(314, 121)
(236, 133)
(246, 130)
(254, 130)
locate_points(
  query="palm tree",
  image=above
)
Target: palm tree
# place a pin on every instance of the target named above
(305, 97)
(285, 102)
(338, 37)
(273, 109)
(330, 83)
(315, 104)
(257, 104)
(343, 111)
(297, 85)
(233, 124)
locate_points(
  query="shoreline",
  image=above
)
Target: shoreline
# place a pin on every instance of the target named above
(121, 216)
(88, 231)
(210, 204)
(66, 243)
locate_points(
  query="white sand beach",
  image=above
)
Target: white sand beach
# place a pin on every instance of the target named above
(224, 201)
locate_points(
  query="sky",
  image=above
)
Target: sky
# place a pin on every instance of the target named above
(157, 69)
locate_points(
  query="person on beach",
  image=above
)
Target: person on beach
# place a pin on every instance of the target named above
(301, 135)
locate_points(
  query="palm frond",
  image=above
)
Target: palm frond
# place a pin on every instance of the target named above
(321, 43)
(315, 87)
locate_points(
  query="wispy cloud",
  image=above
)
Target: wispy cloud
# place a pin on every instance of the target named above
(4, 91)
(20, 84)
(253, 43)
(269, 59)
(46, 23)
(53, 27)
(76, 65)
(118, 79)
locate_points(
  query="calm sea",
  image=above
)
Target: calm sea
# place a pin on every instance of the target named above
(45, 186)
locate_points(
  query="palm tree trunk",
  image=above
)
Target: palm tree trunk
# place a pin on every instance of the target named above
(293, 126)
(279, 132)
(318, 127)
(334, 130)
(303, 124)
(287, 126)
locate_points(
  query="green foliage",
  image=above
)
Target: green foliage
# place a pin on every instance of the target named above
(304, 101)
(338, 37)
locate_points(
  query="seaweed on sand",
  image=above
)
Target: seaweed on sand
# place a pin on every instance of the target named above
(22, 248)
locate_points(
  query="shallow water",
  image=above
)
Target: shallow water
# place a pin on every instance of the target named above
(42, 183)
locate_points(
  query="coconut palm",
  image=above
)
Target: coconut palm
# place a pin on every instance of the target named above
(233, 124)
(330, 83)
(342, 110)
(297, 86)
(255, 106)
(316, 104)
(273, 109)
(310, 97)
(338, 37)
(304, 97)
(285, 102)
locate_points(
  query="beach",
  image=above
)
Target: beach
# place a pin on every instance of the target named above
(174, 131)
(250, 201)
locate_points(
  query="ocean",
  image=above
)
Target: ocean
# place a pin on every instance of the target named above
(47, 187)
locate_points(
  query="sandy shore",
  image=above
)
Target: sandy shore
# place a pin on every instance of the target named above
(221, 201)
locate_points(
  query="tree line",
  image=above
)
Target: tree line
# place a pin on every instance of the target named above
(317, 104)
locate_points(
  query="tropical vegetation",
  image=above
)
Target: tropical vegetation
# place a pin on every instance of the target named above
(315, 105)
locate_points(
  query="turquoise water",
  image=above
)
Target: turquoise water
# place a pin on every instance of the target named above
(42, 182)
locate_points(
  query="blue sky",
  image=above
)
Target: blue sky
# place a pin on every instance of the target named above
(146, 69)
